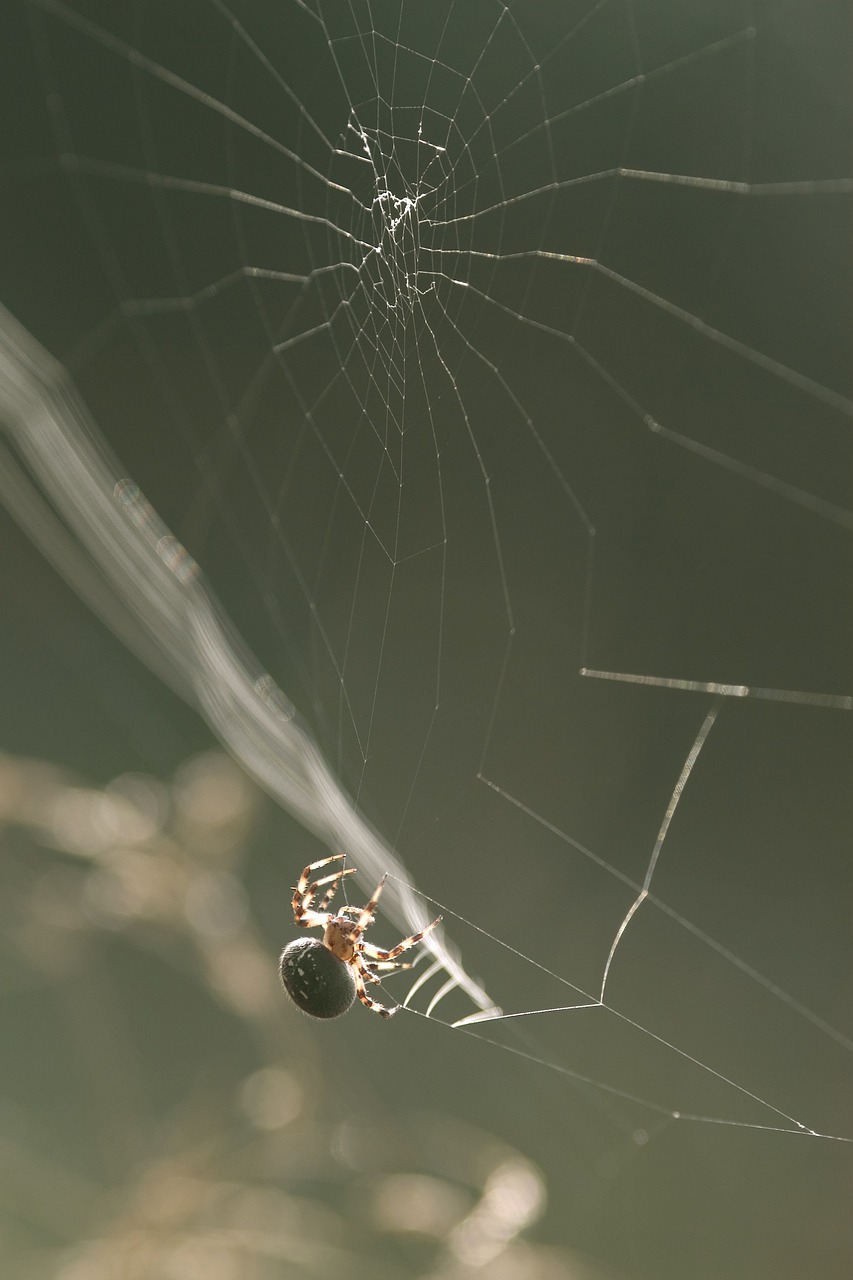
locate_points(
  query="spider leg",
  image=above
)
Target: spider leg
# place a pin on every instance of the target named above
(386, 964)
(370, 969)
(314, 867)
(377, 953)
(361, 992)
(367, 912)
(304, 886)
(334, 883)
(304, 912)
(310, 919)
(305, 892)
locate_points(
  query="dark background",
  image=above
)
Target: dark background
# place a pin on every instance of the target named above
(430, 627)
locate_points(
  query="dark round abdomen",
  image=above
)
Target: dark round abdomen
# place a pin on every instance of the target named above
(317, 982)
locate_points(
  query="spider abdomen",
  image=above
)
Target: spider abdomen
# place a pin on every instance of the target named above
(317, 982)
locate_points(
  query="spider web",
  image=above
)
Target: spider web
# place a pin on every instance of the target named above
(474, 379)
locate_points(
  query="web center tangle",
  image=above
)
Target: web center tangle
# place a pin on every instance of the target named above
(406, 171)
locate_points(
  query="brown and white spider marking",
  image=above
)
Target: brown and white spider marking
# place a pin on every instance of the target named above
(344, 937)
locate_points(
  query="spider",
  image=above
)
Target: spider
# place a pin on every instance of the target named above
(324, 977)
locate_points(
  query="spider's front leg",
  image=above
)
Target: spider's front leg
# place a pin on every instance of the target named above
(305, 892)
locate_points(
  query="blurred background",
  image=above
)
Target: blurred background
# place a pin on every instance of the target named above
(378, 303)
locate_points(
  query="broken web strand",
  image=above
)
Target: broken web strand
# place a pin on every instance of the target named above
(838, 701)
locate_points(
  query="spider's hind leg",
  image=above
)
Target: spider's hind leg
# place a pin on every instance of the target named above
(361, 992)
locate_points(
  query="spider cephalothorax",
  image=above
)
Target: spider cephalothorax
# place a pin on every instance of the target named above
(325, 977)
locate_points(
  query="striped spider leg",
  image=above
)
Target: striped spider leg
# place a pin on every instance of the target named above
(344, 937)
(306, 891)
